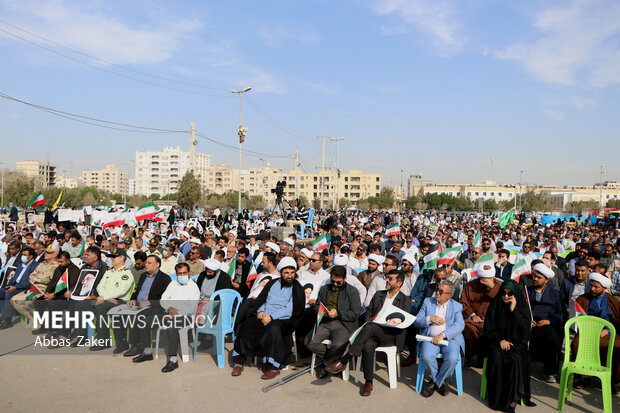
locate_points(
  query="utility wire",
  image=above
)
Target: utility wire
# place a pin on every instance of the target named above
(246, 151)
(111, 63)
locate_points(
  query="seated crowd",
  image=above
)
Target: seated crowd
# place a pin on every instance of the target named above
(502, 299)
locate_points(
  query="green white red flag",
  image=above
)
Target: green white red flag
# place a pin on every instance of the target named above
(37, 200)
(319, 244)
(447, 256)
(357, 333)
(251, 276)
(477, 240)
(117, 221)
(432, 256)
(519, 269)
(487, 259)
(393, 229)
(146, 211)
(159, 216)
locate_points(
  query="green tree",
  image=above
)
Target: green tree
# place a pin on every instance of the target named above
(343, 203)
(254, 202)
(316, 203)
(20, 192)
(613, 203)
(412, 202)
(491, 205)
(304, 201)
(533, 201)
(578, 206)
(190, 193)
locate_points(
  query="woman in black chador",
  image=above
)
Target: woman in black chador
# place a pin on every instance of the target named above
(507, 328)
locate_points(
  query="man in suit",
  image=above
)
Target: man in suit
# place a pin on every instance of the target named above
(18, 283)
(442, 319)
(374, 335)
(503, 268)
(13, 215)
(241, 272)
(150, 288)
(343, 306)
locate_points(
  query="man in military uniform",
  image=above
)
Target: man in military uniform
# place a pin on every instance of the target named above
(153, 248)
(115, 287)
(128, 241)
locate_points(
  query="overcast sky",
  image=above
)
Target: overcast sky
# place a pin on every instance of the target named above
(431, 86)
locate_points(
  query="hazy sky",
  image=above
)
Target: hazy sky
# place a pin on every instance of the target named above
(431, 86)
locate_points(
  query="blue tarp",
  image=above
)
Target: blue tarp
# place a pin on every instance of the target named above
(551, 219)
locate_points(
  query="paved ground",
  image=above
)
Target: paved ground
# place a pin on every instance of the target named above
(62, 381)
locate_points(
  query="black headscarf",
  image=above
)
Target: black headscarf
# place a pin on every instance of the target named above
(502, 324)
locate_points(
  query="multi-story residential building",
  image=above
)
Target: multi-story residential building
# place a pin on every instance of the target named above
(160, 172)
(66, 182)
(44, 173)
(108, 179)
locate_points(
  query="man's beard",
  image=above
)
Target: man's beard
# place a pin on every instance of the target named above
(286, 283)
(212, 276)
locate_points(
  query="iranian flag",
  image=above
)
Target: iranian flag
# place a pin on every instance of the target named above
(477, 240)
(251, 276)
(63, 282)
(506, 218)
(322, 311)
(357, 333)
(447, 256)
(319, 244)
(33, 292)
(519, 269)
(487, 259)
(37, 200)
(393, 230)
(146, 211)
(159, 216)
(118, 220)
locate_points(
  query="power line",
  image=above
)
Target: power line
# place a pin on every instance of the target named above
(146, 82)
(91, 120)
(246, 151)
(111, 63)
(280, 125)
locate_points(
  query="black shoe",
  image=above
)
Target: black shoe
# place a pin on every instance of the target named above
(443, 390)
(142, 357)
(135, 350)
(428, 388)
(170, 366)
(99, 348)
(528, 403)
(321, 373)
(4, 324)
(615, 387)
(120, 347)
(39, 331)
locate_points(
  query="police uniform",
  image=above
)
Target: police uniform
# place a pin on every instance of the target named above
(115, 283)
(157, 253)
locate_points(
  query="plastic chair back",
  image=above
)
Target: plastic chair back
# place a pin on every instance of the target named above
(310, 217)
(227, 300)
(588, 352)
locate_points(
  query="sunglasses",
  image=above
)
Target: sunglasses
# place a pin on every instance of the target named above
(442, 292)
(508, 293)
(336, 282)
(314, 260)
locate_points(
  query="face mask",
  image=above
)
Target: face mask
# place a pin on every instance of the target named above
(24, 259)
(183, 279)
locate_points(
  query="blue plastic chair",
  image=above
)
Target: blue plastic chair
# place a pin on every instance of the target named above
(304, 228)
(360, 269)
(458, 371)
(229, 304)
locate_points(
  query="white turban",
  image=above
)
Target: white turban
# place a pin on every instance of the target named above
(286, 262)
(273, 246)
(212, 264)
(601, 279)
(307, 252)
(184, 233)
(289, 241)
(341, 259)
(376, 258)
(486, 271)
(410, 258)
(544, 270)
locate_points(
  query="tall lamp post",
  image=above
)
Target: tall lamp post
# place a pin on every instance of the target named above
(520, 187)
(242, 132)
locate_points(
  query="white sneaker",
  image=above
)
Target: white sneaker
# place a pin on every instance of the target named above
(549, 378)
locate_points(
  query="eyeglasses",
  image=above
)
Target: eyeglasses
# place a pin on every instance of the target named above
(336, 282)
(508, 293)
(389, 265)
(442, 292)
(314, 260)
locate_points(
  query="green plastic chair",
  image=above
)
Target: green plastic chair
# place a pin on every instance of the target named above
(588, 360)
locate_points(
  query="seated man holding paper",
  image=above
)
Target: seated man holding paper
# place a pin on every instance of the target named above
(440, 320)
(372, 335)
(339, 306)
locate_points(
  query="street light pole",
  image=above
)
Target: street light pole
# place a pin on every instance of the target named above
(337, 177)
(520, 186)
(242, 132)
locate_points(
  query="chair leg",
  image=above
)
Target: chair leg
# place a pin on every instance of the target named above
(459, 377)
(420, 376)
(569, 386)
(195, 344)
(391, 365)
(562, 390)
(184, 345)
(157, 343)
(220, 350)
(358, 367)
(312, 364)
(397, 365)
(606, 390)
(345, 372)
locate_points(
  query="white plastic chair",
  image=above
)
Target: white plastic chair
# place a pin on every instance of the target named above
(345, 372)
(182, 339)
(393, 364)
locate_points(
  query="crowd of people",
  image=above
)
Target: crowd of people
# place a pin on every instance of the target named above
(481, 291)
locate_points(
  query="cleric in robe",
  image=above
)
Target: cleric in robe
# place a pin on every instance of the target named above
(267, 323)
